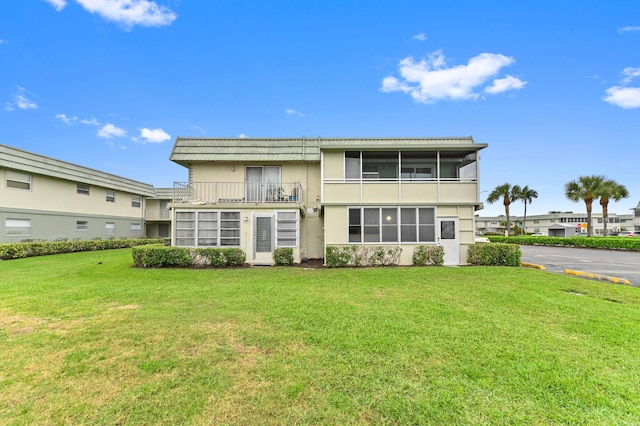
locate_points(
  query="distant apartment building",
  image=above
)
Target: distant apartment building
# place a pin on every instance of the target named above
(540, 223)
(42, 198)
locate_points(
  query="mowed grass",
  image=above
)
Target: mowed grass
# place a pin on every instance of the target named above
(87, 339)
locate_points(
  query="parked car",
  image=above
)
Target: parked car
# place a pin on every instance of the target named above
(482, 240)
(629, 234)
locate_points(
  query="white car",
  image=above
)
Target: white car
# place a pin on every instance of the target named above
(482, 240)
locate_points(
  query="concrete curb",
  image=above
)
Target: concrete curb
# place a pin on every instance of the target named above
(532, 265)
(597, 276)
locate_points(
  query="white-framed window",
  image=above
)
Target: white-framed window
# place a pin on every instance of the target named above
(82, 225)
(210, 228)
(111, 196)
(287, 229)
(82, 189)
(17, 180)
(391, 224)
(17, 227)
(136, 201)
(136, 230)
(110, 229)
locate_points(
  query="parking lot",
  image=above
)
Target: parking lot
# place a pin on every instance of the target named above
(612, 263)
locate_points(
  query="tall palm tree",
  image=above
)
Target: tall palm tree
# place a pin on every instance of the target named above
(526, 195)
(611, 190)
(585, 188)
(508, 194)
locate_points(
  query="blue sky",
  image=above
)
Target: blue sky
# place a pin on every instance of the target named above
(552, 86)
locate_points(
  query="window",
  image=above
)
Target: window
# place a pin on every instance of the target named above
(136, 230)
(207, 229)
(380, 165)
(136, 201)
(287, 229)
(111, 197)
(110, 229)
(18, 180)
(418, 165)
(391, 224)
(17, 227)
(352, 165)
(82, 225)
(82, 188)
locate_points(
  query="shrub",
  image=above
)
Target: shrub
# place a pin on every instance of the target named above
(283, 256)
(428, 255)
(496, 254)
(351, 255)
(605, 243)
(28, 249)
(234, 256)
(156, 256)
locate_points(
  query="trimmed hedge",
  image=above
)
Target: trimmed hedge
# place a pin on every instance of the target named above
(283, 256)
(498, 254)
(29, 249)
(428, 255)
(605, 243)
(340, 257)
(158, 256)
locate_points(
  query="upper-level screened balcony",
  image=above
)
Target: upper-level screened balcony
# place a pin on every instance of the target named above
(408, 166)
(237, 192)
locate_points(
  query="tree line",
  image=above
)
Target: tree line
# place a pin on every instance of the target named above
(585, 188)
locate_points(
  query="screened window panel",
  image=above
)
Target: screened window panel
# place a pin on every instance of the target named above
(352, 164)
(427, 233)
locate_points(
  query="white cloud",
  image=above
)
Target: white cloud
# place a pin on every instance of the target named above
(92, 122)
(58, 5)
(242, 136)
(109, 131)
(503, 84)
(130, 12)
(627, 29)
(623, 96)
(420, 37)
(430, 80)
(153, 136)
(198, 129)
(20, 100)
(290, 111)
(65, 119)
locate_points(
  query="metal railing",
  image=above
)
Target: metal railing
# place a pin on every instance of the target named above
(237, 192)
(157, 214)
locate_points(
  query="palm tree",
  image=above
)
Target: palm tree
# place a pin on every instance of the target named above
(526, 195)
(508, 194)
(614, 191)
(585, 188)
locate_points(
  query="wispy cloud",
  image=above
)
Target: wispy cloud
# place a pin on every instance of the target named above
(20, 100)
(628, 29)
(57, 4)
(129, 13)
(71, 120)
(430, 80)
(623, 96)
(290, 111)
(198, 129)
(152, 136)
(420, 37)
(65, 119)
(242, 136)
(109, 131)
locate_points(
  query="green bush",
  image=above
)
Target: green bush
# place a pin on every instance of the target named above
(496, 254)
(352, 255)
(159, 255)
(29, 249)
(605, 243)
(428, 255)
(283, 256)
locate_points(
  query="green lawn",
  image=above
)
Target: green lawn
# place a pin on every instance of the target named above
(86, 339)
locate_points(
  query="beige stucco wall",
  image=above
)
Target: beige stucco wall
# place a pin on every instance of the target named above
(52, 194)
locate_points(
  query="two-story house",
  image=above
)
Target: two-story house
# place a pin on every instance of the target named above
(260, 194)
(42, 198)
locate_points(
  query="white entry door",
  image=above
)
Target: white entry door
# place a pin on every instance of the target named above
(263, 240)
(449, 239)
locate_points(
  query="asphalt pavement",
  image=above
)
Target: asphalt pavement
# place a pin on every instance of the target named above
(607, 263)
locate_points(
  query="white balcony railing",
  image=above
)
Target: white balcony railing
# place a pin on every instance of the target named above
(237, 192)
(157, 214)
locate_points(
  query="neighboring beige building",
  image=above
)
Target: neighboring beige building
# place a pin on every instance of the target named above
(42, 198)
(539, 224)
(259, 194)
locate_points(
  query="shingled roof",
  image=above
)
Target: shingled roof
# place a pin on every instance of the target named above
(189, 150)
(17, 159)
